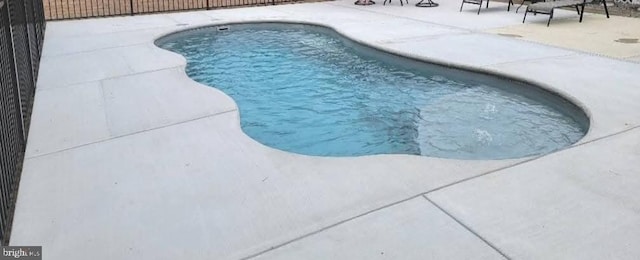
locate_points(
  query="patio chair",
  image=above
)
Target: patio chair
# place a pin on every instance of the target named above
(548, 7)
(479, 3)
(385, 2)
(530, 2)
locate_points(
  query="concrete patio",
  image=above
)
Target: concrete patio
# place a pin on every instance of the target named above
(128, 158)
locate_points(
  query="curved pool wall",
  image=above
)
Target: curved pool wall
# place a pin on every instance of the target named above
(293, 128)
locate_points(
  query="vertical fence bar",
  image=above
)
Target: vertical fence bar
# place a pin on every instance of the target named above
(49, 8)
(22, 55)
(55, 8)
(32, 41)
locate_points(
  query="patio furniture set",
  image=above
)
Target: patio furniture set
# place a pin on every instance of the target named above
(536, 6)
(541, 7)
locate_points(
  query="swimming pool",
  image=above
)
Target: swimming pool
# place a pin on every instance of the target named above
(308, 90)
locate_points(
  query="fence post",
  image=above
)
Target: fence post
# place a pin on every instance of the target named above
(131, 7)
(208, 5)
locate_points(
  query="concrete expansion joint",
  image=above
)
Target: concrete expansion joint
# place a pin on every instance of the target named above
(423, 37)
(532, 159)
(467, 227)
(529, 60)
(93, 50)
(328, 227)
(111, 78)
(104, 104)
(425, 196)
(61, 87)
(109, 33)
(132, 134)
(607, 136)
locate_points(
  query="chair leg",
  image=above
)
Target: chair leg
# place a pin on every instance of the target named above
(605, 8)
(509, 5)
(577, 10)
(461, 6)
(487, 4)
(525, 14)
(480, 7)
(550, 16)
(582, 12)
(521, 4)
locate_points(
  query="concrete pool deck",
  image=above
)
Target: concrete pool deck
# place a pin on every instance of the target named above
(129, 159)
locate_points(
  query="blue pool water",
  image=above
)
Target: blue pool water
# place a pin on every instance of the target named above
(307, 90)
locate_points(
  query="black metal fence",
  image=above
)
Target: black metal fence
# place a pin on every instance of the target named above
(74, 9)
(22, 27)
